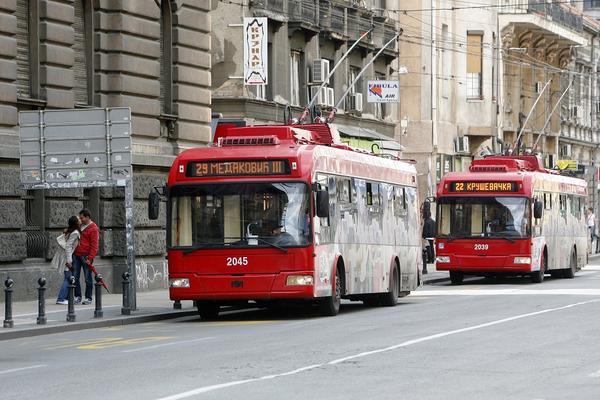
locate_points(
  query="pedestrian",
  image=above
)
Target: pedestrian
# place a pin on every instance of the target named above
(591, 223)
(85, 253)
(428, 234)
(63, 258)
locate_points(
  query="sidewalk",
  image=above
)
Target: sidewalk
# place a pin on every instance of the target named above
(435, 276)
(152, 306)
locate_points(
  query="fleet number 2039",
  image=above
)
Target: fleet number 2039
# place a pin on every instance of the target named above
(481, 246)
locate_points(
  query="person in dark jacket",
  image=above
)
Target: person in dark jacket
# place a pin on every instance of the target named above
(429, 232)
(84, 255)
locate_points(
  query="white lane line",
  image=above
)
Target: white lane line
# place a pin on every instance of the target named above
(8, 371)
(506, 292)
(156, 346)
(595, 374)
(211, 388)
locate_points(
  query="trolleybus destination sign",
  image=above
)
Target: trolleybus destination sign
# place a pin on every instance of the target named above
(238, 167)
(483, 187)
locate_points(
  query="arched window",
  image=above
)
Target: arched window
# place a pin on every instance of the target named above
(84, 53)
(166, 57)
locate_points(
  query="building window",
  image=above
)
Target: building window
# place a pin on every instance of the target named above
(295, 68)
(166, 57)
(474, 66)
(84, 53)
(27, 13)
(444, 62)
(260, 92)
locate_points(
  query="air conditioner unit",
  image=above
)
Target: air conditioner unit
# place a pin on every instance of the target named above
(538, 87)
(565, 150)
(320, 71)
(356, 102)
(551, 160)
(321, 99)
(330, 97)
(461, 144)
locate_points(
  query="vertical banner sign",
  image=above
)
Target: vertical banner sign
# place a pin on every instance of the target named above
(383, 92)
(255, 51)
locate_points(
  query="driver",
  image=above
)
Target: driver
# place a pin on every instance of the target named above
(280, 237)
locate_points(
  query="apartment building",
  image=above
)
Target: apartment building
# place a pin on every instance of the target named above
(152, 56)
(306, 38)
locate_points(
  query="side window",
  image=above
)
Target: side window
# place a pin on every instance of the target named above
(344, 190)
(547, 201)
(369, 194)
(400, 201)
(373, 197)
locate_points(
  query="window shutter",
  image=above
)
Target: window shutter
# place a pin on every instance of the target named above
(166, 44)
(474, 54)
(80, 69)
(23, 61)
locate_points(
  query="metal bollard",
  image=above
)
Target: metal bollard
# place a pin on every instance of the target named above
(424, 257)
(71, 306)
(177, 305)
(126, 309)
(41, 319)
(8, 321)
(98, 313)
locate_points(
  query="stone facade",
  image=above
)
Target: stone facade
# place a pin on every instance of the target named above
(124, 60)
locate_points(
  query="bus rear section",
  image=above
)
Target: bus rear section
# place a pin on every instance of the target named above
(510, 215)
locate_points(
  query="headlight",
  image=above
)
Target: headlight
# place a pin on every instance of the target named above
(522, 260)
(179, 283)
(443, 259)
(299, 280)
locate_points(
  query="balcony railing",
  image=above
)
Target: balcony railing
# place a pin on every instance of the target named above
(303, 11)
(551, 11)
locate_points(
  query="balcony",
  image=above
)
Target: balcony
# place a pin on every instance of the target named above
(272, 9)
(303, 15)
(539, 15)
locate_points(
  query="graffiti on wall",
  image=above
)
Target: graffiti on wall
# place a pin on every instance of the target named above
(151, 275)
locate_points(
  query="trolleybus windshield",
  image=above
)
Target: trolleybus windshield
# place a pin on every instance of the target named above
(476, 217)
(249, 214)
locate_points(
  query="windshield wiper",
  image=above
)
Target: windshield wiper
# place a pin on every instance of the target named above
(502, 237)
(200, 246)
(268, 243)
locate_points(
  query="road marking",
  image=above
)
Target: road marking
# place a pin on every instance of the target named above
(104, 343)
(166, 344)
(8, 371)
(504, 292)
(211, 388)
(237, 323)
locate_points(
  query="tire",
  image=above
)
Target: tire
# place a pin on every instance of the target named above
(569, 273)
(208, 311)
(390, 298)
(330, 306)
(538, 276)
(456, 277)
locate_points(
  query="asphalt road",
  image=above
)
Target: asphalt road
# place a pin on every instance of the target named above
(506, 339)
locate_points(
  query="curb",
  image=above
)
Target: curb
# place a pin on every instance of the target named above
(137, 319)
(436, 280)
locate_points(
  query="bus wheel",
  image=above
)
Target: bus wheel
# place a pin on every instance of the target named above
(538, 276)
(569, 273)
(456, 277)
(330, 306)
(390, 298)
(208, 310)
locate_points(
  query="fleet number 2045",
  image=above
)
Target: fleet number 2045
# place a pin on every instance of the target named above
(235, 261)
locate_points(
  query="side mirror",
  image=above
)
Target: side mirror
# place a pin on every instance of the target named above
(538, 208)
(153, 205)
(322, 204)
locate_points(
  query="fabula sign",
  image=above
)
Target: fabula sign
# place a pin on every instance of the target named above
(383, 92)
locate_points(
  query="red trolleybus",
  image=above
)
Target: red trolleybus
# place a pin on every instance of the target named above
(508, 214)
(282, 213)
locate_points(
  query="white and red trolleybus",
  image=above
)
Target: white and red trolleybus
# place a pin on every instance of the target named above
(508, 214)
(283, 213)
